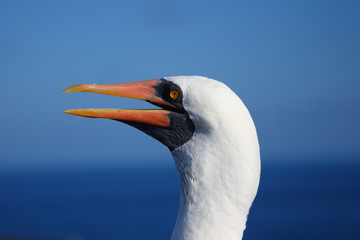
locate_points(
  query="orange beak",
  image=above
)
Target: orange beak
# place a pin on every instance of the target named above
(142, 90)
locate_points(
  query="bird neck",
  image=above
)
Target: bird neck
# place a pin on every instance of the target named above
(217, 188)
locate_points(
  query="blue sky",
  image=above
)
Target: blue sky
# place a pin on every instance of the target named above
(296, 65)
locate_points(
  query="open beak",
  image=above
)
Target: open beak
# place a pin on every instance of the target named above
(142, 90)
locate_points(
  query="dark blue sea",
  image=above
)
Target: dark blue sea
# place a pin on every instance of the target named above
(299, 201)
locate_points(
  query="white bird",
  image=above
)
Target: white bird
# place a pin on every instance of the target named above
(213, 140)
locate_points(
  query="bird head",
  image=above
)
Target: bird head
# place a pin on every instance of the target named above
(187, 104)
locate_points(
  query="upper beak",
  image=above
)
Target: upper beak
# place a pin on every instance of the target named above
(142, 90)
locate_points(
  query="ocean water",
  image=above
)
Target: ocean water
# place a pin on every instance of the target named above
(300, 201)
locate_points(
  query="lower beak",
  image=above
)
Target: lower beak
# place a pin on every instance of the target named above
(142, 90)
(153, 117)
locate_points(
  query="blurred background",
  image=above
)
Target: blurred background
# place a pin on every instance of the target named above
(295, 64)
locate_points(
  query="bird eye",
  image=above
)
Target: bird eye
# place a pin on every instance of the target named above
(174, 94)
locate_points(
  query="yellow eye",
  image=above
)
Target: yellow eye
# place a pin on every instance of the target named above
(174, 94)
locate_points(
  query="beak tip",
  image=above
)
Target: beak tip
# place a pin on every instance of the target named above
(78, 112)
(70, 89)
(86, 112)
(67, 111)
(79, 88)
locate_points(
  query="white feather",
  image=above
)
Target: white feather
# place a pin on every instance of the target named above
(219, 167)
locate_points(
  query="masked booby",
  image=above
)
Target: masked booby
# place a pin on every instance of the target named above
(213, 141)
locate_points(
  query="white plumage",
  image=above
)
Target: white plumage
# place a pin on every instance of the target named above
(219, 167)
